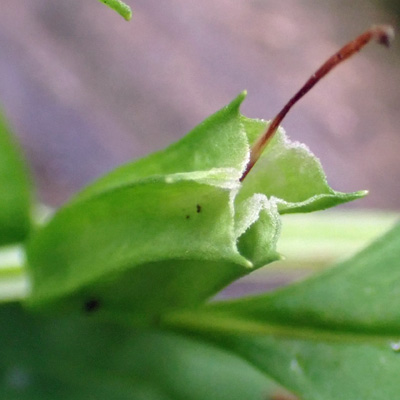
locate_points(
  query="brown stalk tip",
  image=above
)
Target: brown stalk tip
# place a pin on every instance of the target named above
(383, 34)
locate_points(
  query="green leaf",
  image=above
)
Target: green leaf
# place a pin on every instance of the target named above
(15, 200)
(323, 338)
(77, 357)
(258, 228)
(120, 7)
(174, 218)
(166, 218)
(170, 228)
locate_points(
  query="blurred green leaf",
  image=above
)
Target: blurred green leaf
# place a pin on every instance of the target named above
(15, 200)
(333, 336)
(77, 357)
(330, 237)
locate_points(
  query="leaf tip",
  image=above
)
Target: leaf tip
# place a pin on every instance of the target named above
(128, 16)
(237, 102)
(347, 197)
(120, 7)
(361, 193)
(240, 98)
(248, 264)
(280, 257)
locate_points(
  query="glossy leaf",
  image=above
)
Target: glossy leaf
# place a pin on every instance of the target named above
(333, 336)
(15, 201)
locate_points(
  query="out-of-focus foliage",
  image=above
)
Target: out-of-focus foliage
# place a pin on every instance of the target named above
(15, 198)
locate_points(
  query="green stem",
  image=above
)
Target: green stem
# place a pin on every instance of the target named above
(14, 284)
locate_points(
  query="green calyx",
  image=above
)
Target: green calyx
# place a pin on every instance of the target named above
(181, 212)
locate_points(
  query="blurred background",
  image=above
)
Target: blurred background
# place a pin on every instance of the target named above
(86, 91)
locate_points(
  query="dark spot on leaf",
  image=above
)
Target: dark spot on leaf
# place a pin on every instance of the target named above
(91, 305)
(198, 208)
(187, 216)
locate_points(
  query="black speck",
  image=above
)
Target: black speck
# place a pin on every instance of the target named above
(198, 208)
(187, 216)
(91, 305)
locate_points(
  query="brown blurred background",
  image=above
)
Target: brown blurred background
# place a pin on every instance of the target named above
(86, 90)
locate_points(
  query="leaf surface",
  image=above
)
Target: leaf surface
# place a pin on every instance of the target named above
(288, 172)
(78, 357)
(333, 336)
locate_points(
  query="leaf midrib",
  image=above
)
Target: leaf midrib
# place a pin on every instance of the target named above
(206, 323)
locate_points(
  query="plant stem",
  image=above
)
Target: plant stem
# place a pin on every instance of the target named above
(14, 283)
(383, 34)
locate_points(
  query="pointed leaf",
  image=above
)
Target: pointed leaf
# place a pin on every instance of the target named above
(333, 335)
(218, 142)
(289, 172)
